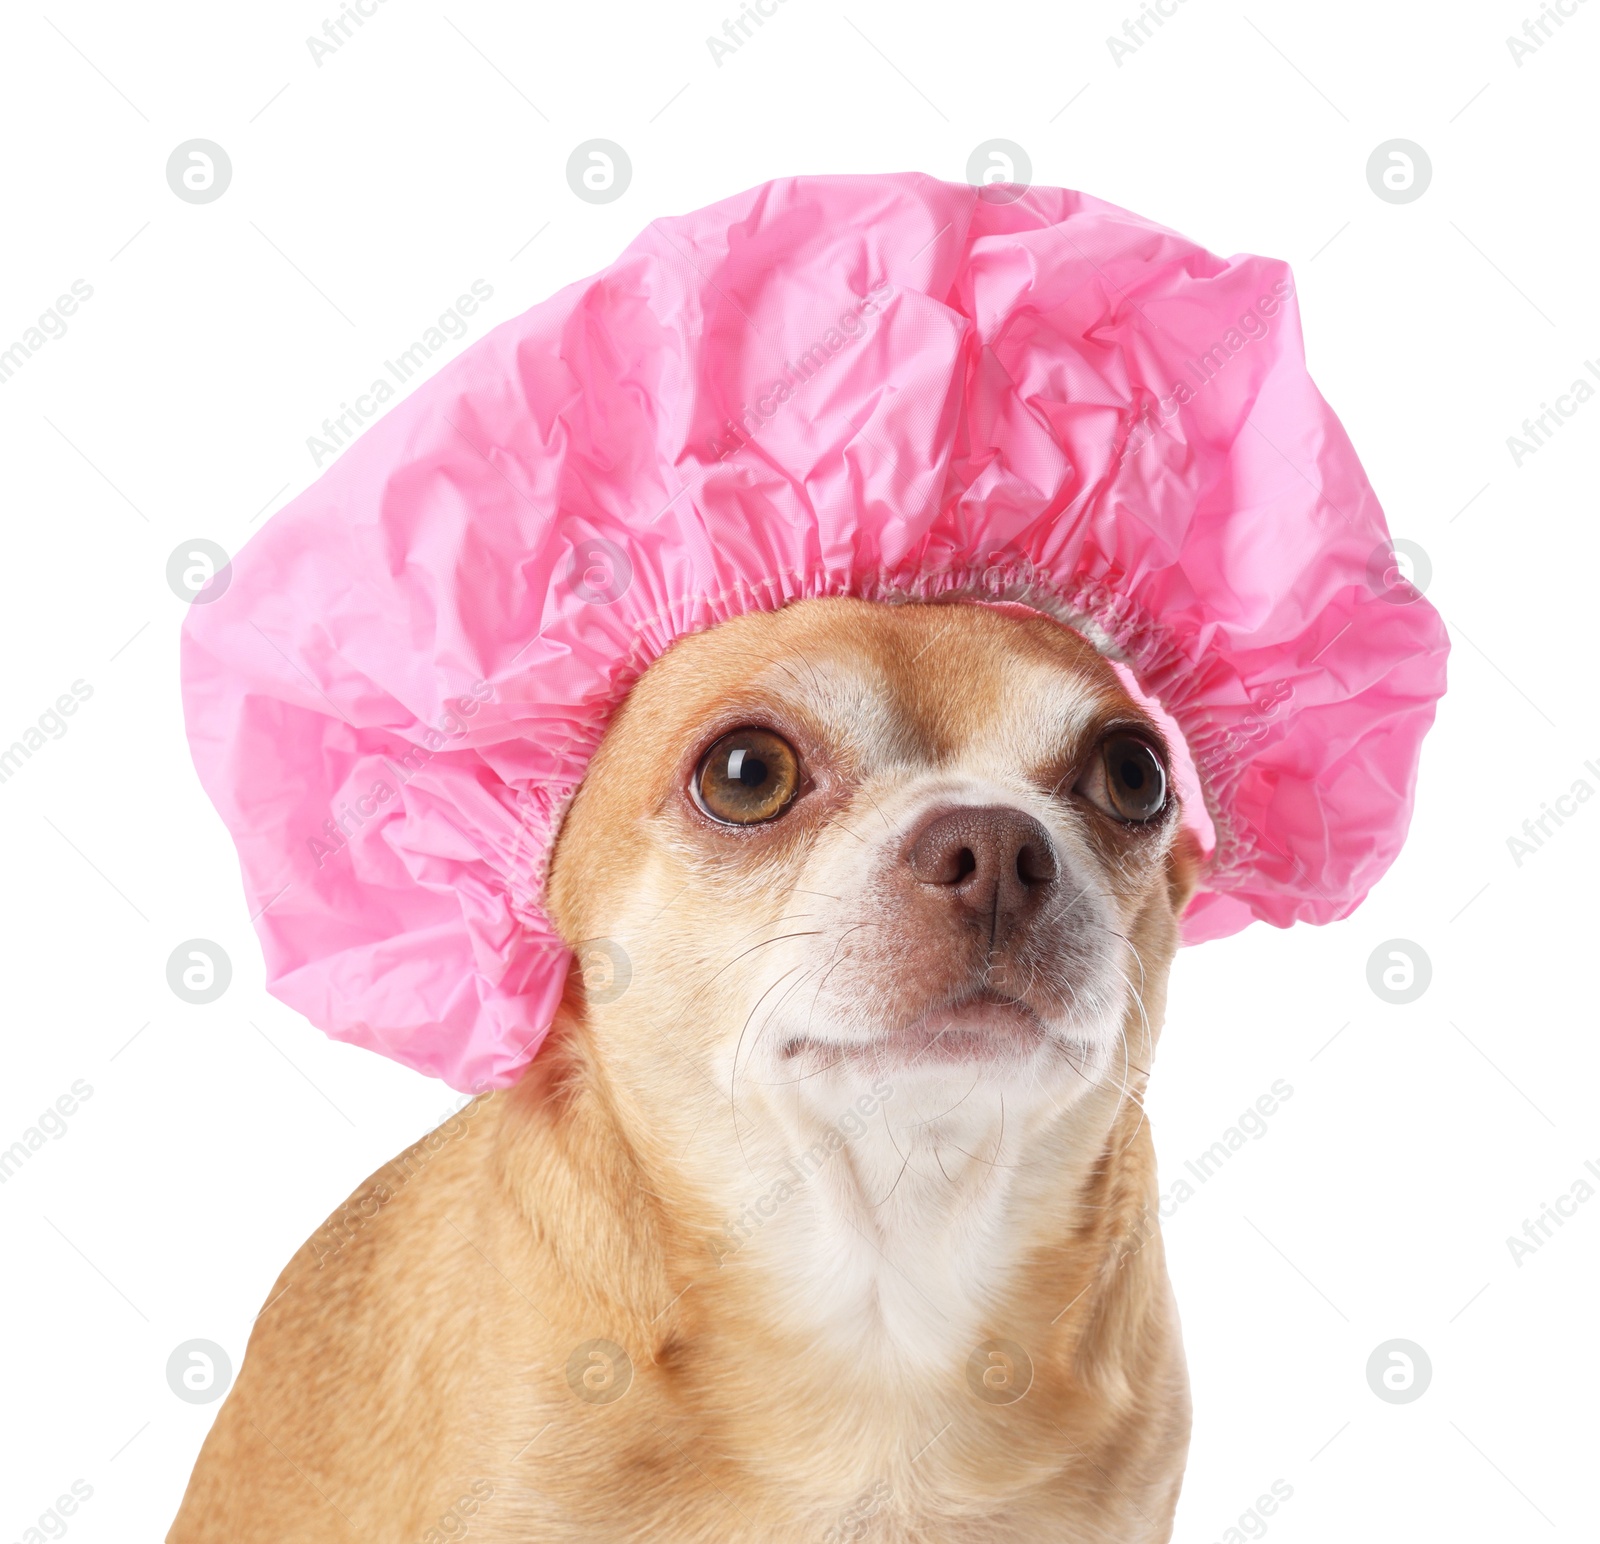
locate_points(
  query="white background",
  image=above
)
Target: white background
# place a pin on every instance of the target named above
(429, 152)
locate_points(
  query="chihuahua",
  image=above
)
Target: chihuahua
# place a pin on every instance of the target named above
(827, 1210)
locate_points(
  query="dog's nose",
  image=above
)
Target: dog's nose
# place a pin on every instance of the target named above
(991, 859)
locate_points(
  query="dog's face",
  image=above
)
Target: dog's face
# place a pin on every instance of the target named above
(858, 864)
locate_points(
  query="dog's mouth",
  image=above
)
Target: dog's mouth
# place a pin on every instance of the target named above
(980, 1027)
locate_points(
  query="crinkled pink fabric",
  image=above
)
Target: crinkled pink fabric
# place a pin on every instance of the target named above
(884, 386)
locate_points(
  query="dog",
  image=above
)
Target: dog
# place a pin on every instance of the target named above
(827, 1211)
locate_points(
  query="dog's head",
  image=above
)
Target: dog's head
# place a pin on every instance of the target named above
(847, 862)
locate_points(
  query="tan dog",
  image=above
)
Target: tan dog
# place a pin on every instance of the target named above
(826, 1213)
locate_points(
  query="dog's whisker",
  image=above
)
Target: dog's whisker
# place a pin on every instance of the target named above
(879, 808)
(883, 1200)
(733, 1098)
(846, 829)
(766, 943)
(766, 1023)
(797, 916)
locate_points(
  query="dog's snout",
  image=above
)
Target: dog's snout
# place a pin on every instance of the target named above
(990, 858)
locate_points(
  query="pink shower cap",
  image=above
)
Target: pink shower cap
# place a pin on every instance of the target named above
(886, 386)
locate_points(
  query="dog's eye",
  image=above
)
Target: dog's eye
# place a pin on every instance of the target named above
(1126, 779)
(747, 776)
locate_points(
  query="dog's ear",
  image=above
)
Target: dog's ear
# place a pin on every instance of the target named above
(1186, 866)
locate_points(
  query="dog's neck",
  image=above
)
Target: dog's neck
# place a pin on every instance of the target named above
(896, 1217)
(894, 1213)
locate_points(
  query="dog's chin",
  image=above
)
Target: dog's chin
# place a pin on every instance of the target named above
(977, 1032)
